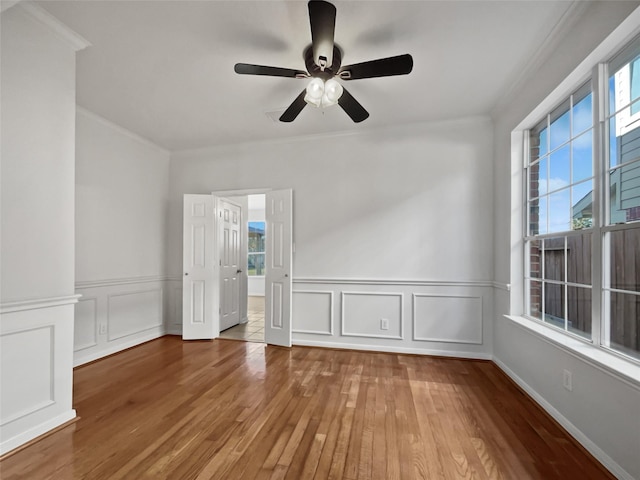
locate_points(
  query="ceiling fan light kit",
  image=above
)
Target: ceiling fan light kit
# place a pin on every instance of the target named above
(323, 61)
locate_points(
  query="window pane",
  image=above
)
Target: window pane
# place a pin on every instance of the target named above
(554, 255)
(625, 323)
(255, 264)
(582, 152)
(625, 260)
(635, 84)
(559, 211)
(582, 210)
(559, 129)
(613, 144)
(579, 311)
(554, 304)
(579, 259)
(535, 299)
(542, 173)
(256, 237)
(538, 216)
(544, 142)
(559, 169)
(625, 193)
(543, 224)
(582, 115)
(535, 254)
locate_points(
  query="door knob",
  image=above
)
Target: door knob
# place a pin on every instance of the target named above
(186, 273)
(239, 271)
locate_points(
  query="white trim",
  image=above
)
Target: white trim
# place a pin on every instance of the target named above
(123, 281)
(570, 16)
(623, 370)
(79, 360)
(445, 340)
(616, 40)
(394, 349)
(34, 303)
(73, 39)
(419, 283)
(343, 333)
(127, 133)
(331, 316)
(591, 447)
(36, 431)
(326, 135)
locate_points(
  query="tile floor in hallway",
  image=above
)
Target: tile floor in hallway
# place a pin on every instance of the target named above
(253, 330)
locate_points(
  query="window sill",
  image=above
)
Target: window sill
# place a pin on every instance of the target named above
(626, 370)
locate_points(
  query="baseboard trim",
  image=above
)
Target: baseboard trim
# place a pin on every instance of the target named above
(39, 437)
(36, 433)
(80, 360)
(389, 349)
(575, 432)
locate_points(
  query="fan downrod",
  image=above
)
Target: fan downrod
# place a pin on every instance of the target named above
(328, 71)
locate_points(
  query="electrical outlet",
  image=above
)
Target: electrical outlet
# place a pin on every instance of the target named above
(103, 329)
(567, 380)
(384, 324)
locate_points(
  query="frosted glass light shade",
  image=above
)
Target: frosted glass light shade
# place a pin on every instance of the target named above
(315, 91)
(332, 93)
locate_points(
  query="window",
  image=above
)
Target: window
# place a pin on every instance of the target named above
(255, 260)
(582, 238)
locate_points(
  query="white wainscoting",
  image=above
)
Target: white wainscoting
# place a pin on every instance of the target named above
(36, 368)
(430, 317)
(314, 312)
(116, 314)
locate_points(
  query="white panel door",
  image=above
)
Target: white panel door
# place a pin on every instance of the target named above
(279, 218)
(199, 319)
(229, 218)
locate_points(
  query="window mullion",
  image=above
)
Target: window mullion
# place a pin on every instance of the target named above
(600, 156)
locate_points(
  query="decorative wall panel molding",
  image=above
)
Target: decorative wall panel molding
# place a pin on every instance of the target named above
(312, 312)
(447, 318)
(85, 332)
(122, 281)
(363, 314)
(34, 303)
(125, 311)
(133, 312)
(375, 281)
(28, 366)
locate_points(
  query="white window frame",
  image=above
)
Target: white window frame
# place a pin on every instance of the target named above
(594, 66)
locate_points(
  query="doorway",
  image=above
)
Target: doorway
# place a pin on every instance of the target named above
(251, 329)
(202, 263)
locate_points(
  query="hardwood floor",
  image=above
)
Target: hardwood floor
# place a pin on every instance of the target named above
(234, 410)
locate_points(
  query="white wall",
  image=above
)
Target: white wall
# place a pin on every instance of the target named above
(378, 218)
(122, 184)
(602, 411)
(37, 272)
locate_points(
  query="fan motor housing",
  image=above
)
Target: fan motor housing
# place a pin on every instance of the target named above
(328, 72)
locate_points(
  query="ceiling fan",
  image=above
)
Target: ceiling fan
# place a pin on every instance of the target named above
(323, 60)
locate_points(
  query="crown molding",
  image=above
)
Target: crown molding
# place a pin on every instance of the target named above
(404, 129)
(73, 39)
(114, 126)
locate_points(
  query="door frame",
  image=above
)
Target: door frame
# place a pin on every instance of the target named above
(229, 194)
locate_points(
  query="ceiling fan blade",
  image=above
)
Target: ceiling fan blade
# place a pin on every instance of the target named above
(249, 69)
(351, 106)
(322, 16)
(384, 67)
(294, 109)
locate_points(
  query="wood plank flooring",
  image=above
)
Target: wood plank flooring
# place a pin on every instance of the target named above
(225, 409)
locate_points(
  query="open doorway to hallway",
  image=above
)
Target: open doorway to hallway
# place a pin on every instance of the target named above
(253, 330)
(254, 265)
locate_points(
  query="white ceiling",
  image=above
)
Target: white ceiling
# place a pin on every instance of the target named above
(164, 69)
